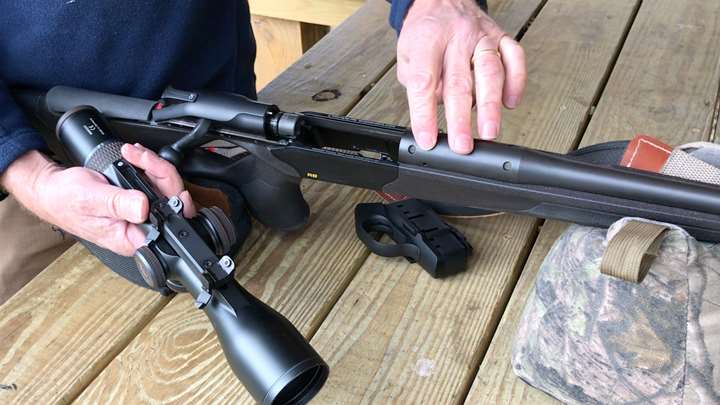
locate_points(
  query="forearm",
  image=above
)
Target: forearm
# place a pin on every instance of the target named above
(21, 177)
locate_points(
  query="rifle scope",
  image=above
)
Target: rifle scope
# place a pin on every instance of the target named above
(265, 351)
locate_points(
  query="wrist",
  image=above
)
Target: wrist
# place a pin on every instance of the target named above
(22, 176)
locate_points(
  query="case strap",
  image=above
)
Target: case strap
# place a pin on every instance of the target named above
(631, 251)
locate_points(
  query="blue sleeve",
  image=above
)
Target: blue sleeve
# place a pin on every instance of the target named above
(16, 136)
(399, 9)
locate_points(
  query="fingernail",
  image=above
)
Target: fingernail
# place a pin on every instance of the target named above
(138, 202)
(489, 132)
(513, 101)
(425, 141)
(463, 145)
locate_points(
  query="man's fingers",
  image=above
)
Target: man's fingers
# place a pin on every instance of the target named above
(458, 95)
(135, 236)
(419, 70)
(121, 237)
(162, 173)
(105, 200)
(489, 80)
(189, 209)
(513, 58)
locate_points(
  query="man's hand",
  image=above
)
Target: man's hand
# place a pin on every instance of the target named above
(450, 50)
(83, 203)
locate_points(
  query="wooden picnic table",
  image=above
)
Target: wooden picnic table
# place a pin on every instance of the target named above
(599, 71)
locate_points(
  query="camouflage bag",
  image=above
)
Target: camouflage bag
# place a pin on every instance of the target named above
(589, 338)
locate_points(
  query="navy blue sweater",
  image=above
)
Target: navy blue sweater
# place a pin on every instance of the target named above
(131, 47)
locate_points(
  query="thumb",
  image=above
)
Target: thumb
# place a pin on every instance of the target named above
(127, 205)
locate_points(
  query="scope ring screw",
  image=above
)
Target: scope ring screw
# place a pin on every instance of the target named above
(184, 234)
(227, 264)
(175, 204)
(411, 149)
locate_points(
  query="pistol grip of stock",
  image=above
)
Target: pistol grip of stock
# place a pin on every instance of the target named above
(272, 196)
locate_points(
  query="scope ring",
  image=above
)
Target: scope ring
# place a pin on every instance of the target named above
(223, 227)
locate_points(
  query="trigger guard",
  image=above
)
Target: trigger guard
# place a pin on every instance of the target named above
(371, 218)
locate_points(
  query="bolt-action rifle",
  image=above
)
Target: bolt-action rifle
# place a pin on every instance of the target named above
(281, 148)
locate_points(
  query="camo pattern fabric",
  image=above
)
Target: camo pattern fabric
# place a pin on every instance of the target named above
(588, 338)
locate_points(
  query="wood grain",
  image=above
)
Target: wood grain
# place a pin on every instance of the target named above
(321, 81)
(66, 325)
(322, 12)
(280, 43)
(666, 80)
(656, 80)
(396, 335)
(495, 382)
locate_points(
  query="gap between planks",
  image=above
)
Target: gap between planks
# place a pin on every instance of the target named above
(601, 90)
(716, 116)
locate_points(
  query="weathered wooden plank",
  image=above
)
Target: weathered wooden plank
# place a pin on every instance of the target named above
(322, 12)
(666, 81)
(280, 43)
(495, 382)
(66, 325)
(396, 335)
(363, 45)
(656, 80)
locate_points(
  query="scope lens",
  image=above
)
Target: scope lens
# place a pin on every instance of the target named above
(303, 388)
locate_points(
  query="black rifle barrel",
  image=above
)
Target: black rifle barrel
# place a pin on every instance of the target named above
(520, 165)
